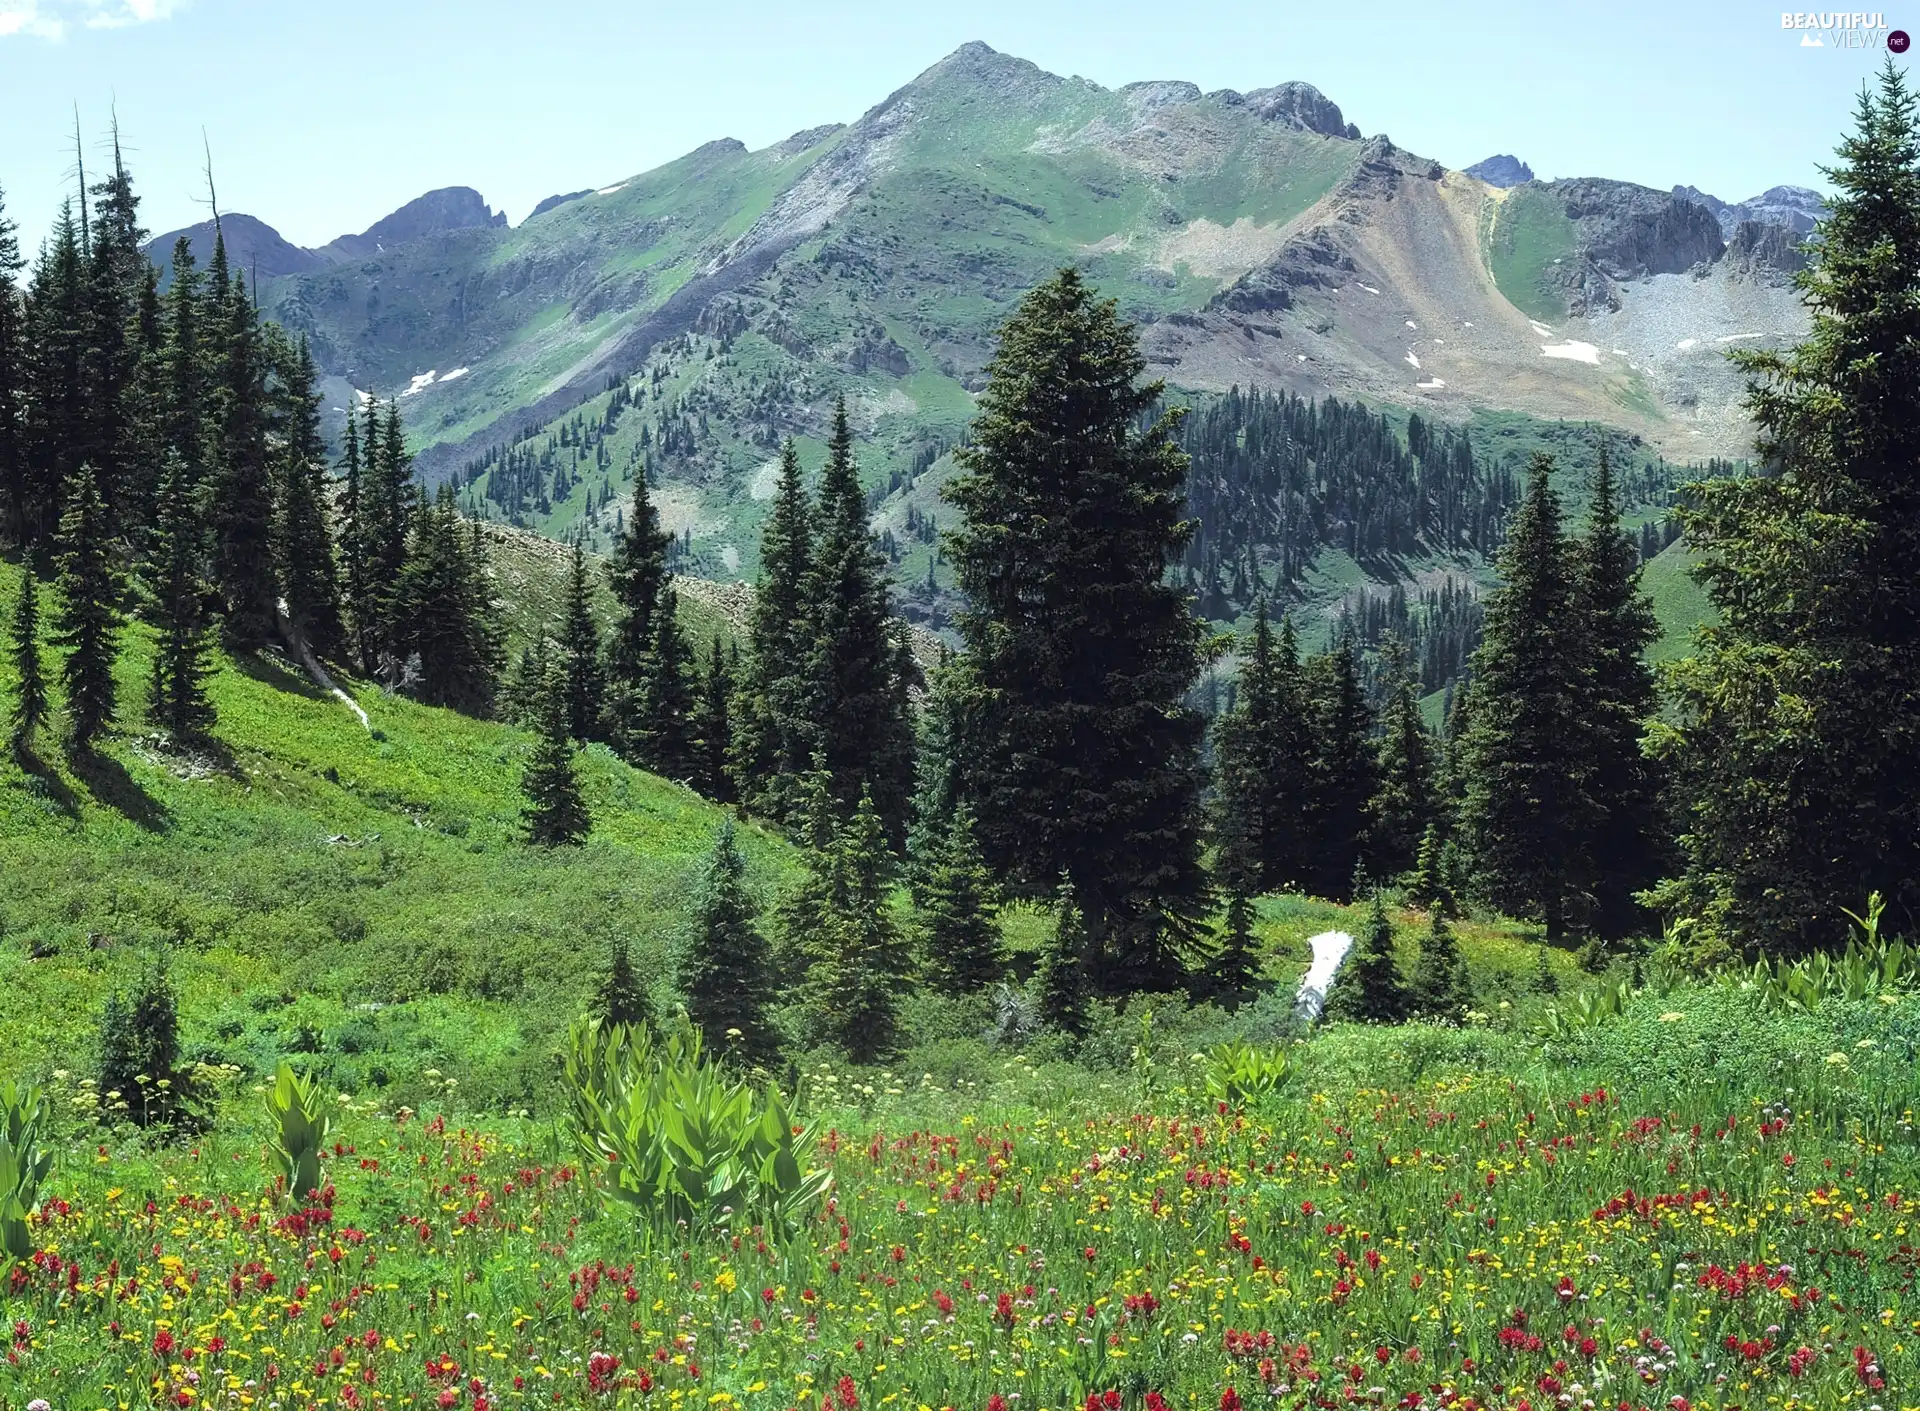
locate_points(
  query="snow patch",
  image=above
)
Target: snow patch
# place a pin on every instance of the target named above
(1733, 337)
(421, 381)
(1329, 949)
(1538, 327)
(730, 556)
(609, 190)
(1573, 350)
(1412, 324)
(1412, 359)
(1300, 357)
(1621, 353)
(1686, 343)
(1432, 384)
(362, 397)
(457, 372)
(1370, 289)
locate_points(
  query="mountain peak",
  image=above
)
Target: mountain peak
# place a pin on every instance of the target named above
(449, 208)
(1503, 171)
(1294, 104)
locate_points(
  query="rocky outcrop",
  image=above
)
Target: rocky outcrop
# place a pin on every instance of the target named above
(450, 208)
(1765, 252)
(1295, 105)
(1502, 171)
(1630, 232)
(1794, 207)
(552, 201)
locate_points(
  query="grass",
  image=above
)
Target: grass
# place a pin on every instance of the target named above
(1680, 605)
(314, 885)
(1530, 234)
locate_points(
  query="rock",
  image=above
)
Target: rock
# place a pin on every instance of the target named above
(1794, 207)
(450, 208)
(552, 201)
(1630, 231)
(1765, 252)
(1302, 106)
(1502, 171)
(251, 245)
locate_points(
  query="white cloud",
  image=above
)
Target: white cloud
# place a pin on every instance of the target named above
(51, 19)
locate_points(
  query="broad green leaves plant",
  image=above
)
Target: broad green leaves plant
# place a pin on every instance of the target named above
(678, 1139)
(1239, 1073)
(300, 1123)
(24, 1164)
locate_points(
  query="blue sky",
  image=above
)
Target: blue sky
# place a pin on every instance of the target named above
(323, 117)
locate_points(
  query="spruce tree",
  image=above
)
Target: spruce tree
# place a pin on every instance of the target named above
(960, 940)
(727, 972)
(1063, 965)
(579, 654)
(1369, 988)
(176, 599)
(442, 643)
(1627, 846)
(140, 1049)
(116, 273)
(15, 480)
(1342, 772)
(1429, 885)
(774, 741)
(56, 393)
(88, 623)
(867, 958)
(637, 574)
(555, 814)
(1405, 802)
(29, 709)
(1236, 965)
(1080, 753)
(665, 728)
(863, 723)
(242, 508)
(714, 728)
(184, 420)
(1527, 815)
(1261, 754)
(620, 998)
(1796, 752)
(308, 575)
(937, 793)
(1439, 989)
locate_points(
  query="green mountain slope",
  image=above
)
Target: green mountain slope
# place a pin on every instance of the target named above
(320, 888)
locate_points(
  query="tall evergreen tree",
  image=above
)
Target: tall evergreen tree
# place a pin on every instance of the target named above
(960, 938)
(1369, 988)
(183, 364)
(555, 814)
(1236, 964)
(863, 723)
(116, 276)
(714, 727)
(774, 741)
(308, 575)
(1080, 754)
(867, 960)
(356, 566)
(637, 574)
(1627, 844)
(1342, 771)
(1405, 803)
(55, 421)
(1527, 814)
(665, 728)
(29, 710)
(937, 794)
(176, 599)
(242, 510)
(579, 657)
(727, 971)
(88, 623)
(1797, 748)
(1260, 775)
(15, 479)
(443, 646)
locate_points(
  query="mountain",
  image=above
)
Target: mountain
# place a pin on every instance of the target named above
(1794, 207)
(1502, 171)
(696, 315)
(251, 245)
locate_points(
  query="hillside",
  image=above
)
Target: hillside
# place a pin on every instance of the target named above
(320, 889)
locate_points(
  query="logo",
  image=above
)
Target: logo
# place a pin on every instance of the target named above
(1843, 29)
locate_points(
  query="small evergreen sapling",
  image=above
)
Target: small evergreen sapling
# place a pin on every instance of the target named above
(727, 972)
(960, 935)
(1370, 988)
(1440, 989)
(621, 999)
(555, 814)
(1063, 966)
(29, 708)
